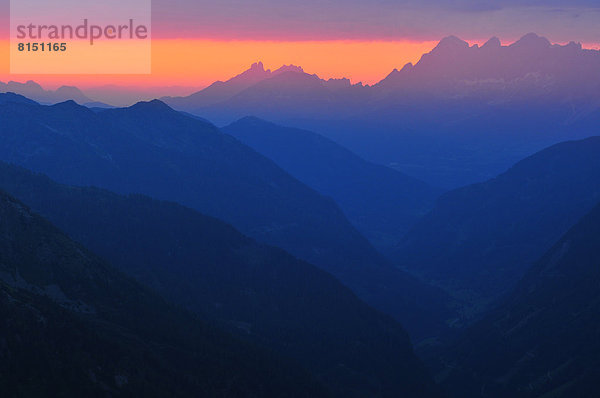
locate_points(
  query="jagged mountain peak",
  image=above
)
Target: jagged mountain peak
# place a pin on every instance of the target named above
(256, 71)
(289, 68)
(406, 67)
(451, 43)
(532, 41)
(494, 42)
(257, 66)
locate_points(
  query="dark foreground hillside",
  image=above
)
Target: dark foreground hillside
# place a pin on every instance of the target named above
(480, 240)
(259, 293)
(545, 340)
(74, 327)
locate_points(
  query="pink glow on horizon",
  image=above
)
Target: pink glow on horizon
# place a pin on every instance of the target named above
(198, 63)
(184, 66)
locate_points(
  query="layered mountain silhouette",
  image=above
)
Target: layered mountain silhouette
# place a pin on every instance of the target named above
(382, 203)
(243, 261)
(35, 92)
(273, 95)
(530, 67)
(259, 293)
(479, 240)
(151, 149)
(463, 114)
(73, 326)
(220, 91)
(543, 341)
(443, 119)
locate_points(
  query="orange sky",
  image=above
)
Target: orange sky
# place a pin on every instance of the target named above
(197, 63)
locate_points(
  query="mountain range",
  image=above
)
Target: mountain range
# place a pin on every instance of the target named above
(74, 326)
(381, 202)
(443, 119)
(146, 252)
(151, 149)
(34, 91)
(479, 240)
(516, 70)
(462, 114)
(258, 293)
(271, 95)
(220, 91)
(531, 68)
(543, 340)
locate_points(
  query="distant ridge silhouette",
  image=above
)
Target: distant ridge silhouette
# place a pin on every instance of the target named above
(34, 91)
(442, 119)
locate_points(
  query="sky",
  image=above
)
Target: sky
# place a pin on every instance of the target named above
(195, 42)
